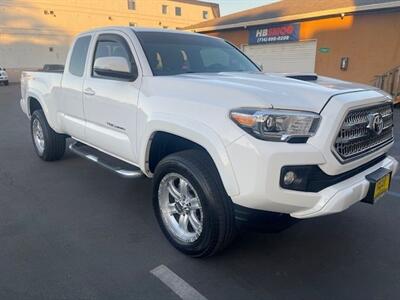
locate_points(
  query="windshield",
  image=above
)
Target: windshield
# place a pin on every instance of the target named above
(176, 53)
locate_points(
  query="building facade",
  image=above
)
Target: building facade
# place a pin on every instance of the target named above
(356, 40)
(38, 32)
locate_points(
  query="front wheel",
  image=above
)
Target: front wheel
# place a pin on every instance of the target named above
(191, 205)
(49, 145)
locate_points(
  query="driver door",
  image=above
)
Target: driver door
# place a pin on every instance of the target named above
(111, 92)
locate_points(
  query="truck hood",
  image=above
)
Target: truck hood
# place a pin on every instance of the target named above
(267, 90)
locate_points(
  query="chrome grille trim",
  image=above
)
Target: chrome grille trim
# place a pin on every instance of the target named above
(355, 140)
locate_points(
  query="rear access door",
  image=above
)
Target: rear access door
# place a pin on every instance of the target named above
(72, 85)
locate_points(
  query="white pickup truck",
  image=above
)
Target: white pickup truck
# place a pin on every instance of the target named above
(224, 143)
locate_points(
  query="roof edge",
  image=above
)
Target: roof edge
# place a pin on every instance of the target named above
(322, 13)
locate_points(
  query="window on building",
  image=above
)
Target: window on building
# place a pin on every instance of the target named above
(178, 11)
(165, 9)
(132, 24)
(165, 27)
(131, 4)
(78, 56)
(205, 14)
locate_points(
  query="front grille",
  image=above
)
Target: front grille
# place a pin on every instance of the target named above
(355, 139)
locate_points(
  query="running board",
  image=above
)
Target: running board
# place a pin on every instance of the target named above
(115, 165)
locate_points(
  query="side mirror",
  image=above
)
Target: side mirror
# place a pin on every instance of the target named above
(114, 67)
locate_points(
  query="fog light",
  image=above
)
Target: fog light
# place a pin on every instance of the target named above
(289, 178)
(296, 178)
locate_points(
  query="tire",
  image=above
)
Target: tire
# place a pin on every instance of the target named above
(216, 213)
(49, 145)
(6, 82)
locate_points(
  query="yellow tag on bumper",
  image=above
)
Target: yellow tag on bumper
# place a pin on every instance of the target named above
(382, 186)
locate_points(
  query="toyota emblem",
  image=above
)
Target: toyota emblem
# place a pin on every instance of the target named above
(375, 123)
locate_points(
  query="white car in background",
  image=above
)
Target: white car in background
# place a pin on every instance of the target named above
(3, 76)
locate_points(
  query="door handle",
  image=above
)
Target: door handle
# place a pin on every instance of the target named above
(89, 92)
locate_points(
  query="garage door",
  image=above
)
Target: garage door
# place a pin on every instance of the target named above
(284, 57)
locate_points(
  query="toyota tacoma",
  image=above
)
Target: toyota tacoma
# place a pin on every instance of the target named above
(225, 144)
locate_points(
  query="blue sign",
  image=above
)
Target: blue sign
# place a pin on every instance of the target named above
(274, 34)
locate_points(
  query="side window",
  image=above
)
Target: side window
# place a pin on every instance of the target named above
(78, 56)
(113, 59)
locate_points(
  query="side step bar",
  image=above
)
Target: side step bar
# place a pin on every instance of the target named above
(115, 165)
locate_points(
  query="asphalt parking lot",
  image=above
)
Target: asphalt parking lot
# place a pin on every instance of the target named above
(72, 230)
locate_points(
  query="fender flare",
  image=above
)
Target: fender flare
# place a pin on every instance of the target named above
(196, 132)
(35, 96)
(52, 120)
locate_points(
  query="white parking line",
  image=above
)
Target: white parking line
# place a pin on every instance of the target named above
(394, 194)
(176, 284)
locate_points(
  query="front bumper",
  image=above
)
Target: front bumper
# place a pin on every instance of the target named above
(341, 196)
(257, 166)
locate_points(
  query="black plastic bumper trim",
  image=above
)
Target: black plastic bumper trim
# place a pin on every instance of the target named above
(261, 220)
(316, 180)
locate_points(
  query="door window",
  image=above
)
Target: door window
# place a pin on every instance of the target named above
(120, 64)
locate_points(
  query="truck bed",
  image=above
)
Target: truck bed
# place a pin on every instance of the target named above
(44, 83)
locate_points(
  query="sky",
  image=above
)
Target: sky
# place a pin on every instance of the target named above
(231, 6)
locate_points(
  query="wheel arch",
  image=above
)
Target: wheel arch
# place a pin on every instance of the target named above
(35, 102)
(33, 105)
(187, 134)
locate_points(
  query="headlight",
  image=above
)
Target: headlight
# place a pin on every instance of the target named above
(275, 124)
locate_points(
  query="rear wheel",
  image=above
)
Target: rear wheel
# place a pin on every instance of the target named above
(49, 145)
(6, 83)
(191, 205)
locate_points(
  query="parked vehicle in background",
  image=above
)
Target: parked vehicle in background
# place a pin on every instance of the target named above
(3, 76)
(225, 143)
